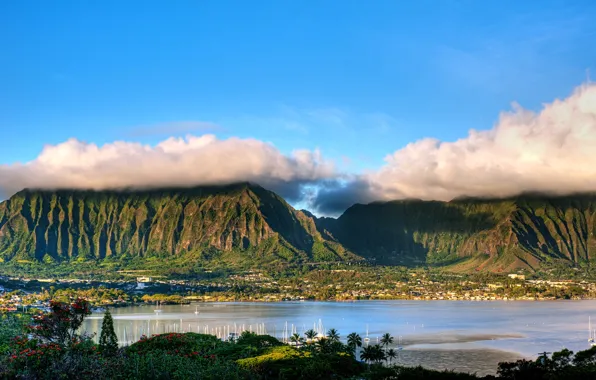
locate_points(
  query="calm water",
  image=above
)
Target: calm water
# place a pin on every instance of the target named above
(459, 335)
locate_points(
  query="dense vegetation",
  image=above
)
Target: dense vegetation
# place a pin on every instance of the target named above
(53, 226)
(54, 350)
(245, 226)
(473, 234)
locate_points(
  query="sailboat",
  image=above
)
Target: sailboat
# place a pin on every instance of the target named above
(158, 310)
(591, 333)
(320, 330)
(197, 310)
(367, 339)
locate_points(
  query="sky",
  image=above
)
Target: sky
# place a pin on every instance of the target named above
(326, 102)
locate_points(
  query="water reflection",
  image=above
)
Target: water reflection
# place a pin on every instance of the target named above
(465, 336)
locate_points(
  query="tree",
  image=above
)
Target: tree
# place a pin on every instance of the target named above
(61, 324)
(378, 353)
(354, 341)
(296, 339)
(367, 354)
(324, 345)
(333, 335)
(108, 341)
(391, 354)
(310, 335)
(386, 340)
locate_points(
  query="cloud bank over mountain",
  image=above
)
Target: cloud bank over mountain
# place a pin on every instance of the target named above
(189, 161)
(553, 150)
(550, 151)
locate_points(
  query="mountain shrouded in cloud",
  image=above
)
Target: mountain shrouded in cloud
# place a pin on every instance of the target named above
(551, 151)
(548, 151)
(175, 162)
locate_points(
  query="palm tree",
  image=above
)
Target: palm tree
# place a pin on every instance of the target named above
(386, 340)
(378, 354)
(333, 335)
(367, 354)
(391, 354)
(324, 345)
(310, 335)
(296, 339)
(354, 340)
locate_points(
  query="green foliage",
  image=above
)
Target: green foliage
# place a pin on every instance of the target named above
(87, 225)
(354, 341)
(108, 341)
(162, 366)
(259, 341)
(245, 226)
(187, 345)
(11, 326)
(498, 235)
(562, 365)
(379, 372)
(373, 354)
(198, 356)
(61, 324)
(386, 340)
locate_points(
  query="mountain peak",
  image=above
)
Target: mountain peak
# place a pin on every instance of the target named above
(67, 223)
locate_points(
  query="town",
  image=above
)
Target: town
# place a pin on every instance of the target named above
(18, 293)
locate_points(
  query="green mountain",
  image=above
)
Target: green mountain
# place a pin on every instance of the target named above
(241, 218)
(251, 224)
(472, 234)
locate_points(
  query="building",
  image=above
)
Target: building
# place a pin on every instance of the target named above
(517, 276)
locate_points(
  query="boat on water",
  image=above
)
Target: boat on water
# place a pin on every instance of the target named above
(367, 339)
(232, 336)
(158, 310)
(591, 333)
(197, 310)
(98, 310)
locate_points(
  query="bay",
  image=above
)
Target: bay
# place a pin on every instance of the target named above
(464, 336)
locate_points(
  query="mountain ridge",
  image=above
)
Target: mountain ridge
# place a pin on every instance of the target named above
(62, 224)
(526, 231)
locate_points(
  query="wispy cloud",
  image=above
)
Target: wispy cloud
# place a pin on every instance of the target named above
(512, 54)
(339, 119)
(173, 128)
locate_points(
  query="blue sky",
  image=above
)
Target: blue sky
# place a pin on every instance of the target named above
(359, 80)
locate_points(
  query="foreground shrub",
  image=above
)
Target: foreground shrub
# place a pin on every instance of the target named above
(286, 362)
(34, 359)
(185, 345)
(258, 341)
(163, 366)
(379, 372)
(11, 326)
(62, 323)
(562, 365)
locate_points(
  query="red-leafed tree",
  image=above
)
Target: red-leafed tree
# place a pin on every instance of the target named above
(62, 323)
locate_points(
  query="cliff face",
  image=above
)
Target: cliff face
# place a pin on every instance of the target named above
(497, 234)
(65, 224)
(472, 234)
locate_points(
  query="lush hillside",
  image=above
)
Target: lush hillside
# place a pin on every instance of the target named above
(249, 223)
(66, 224)
(499, 235)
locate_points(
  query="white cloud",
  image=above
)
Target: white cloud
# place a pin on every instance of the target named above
(549, 151)
(174, 162)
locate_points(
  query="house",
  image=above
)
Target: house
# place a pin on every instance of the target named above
(517, 276)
